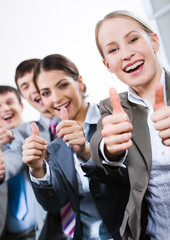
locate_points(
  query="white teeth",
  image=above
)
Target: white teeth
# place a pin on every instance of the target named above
(7, 116)
(135, 65)
(65, 105)
(37, 99)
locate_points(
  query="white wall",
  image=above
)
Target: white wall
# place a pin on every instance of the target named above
(36, 28)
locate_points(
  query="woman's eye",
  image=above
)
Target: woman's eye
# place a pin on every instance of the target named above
(134, 39)
(112, 50)
(63, 85)
(44, 94)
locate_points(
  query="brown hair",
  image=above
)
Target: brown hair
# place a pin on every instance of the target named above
(56, 62)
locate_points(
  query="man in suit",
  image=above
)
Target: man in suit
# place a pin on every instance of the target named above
(47, 225)
(13, 223)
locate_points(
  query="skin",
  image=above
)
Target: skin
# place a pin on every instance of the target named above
(63, 96)
(124, 43)
(29, 92)
(10, 115)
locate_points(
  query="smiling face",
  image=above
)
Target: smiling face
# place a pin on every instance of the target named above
(129, 51)
(29, 92)
(10, 110)
(58, 90)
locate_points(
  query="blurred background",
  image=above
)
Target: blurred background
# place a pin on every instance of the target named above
(36, 28)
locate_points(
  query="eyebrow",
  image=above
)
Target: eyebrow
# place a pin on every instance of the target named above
(110, 43)
(55, 85)
(22, 85)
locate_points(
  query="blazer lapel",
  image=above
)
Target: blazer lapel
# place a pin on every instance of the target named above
(140, 134)
(167, 82)
(63, 158)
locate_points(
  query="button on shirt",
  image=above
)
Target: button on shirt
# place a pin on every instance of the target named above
(93, 227)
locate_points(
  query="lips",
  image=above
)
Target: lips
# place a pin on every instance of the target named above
(133, 67)
(58, 108)
(8, 117)
(36, 98)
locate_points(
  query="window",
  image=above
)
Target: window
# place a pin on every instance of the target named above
(159, 16)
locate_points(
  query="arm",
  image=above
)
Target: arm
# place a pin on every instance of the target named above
(13, 156)
(49, 186)
(115, 129)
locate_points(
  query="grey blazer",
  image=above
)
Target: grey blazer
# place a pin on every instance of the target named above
(110, 201)
(15, 165)
(139, 161)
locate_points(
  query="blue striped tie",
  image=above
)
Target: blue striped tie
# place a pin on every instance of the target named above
(17, 196)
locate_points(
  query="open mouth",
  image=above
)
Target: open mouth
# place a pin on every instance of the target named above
(38, 100)
(8, 117)
(134, 67)
(64, 105)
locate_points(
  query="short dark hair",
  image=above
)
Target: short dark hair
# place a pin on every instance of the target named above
(5, 89)
(25, 67)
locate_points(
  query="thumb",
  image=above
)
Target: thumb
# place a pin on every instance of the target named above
(159, 97)
(64, 113)
(34, 128)
(115, 101)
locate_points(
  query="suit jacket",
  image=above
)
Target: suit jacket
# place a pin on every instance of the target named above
(110, 201)
(13, 166)
(139, 161)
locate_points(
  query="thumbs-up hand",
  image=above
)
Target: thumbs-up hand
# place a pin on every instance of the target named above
(161, 115)
(6, 135)
(2, 166)
(117, 129)
(72, 132)
(33, 152)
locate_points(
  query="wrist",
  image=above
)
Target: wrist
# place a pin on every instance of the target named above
(38, 172)
(11, 136)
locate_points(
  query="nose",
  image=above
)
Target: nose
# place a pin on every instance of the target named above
(126, 53)
(56, 96)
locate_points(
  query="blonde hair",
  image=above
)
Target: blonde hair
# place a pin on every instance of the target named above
(124, 14)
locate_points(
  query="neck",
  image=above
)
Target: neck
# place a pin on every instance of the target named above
(47, 115)
(80, 117)
(148, 91)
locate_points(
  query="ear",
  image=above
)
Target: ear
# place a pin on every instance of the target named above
(106, 65)
(155, 42)
(81, 83)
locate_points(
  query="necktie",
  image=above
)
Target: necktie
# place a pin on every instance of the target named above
(17, 196)
(66, 212)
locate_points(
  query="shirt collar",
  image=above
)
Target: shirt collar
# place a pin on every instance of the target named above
(93, 114)
(133, 97)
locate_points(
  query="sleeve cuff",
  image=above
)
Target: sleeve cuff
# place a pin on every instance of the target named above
(46, 180)
(107, 162)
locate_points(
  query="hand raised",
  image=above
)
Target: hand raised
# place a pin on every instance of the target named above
(161, 115)
(33, 152)
(6, 135)
(116, 128)
(2, 166)
(72, 132)
(115, 101)
(64, 113)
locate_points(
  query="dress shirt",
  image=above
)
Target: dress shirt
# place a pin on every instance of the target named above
(93, 226)
(16, 226)
(158, 191)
